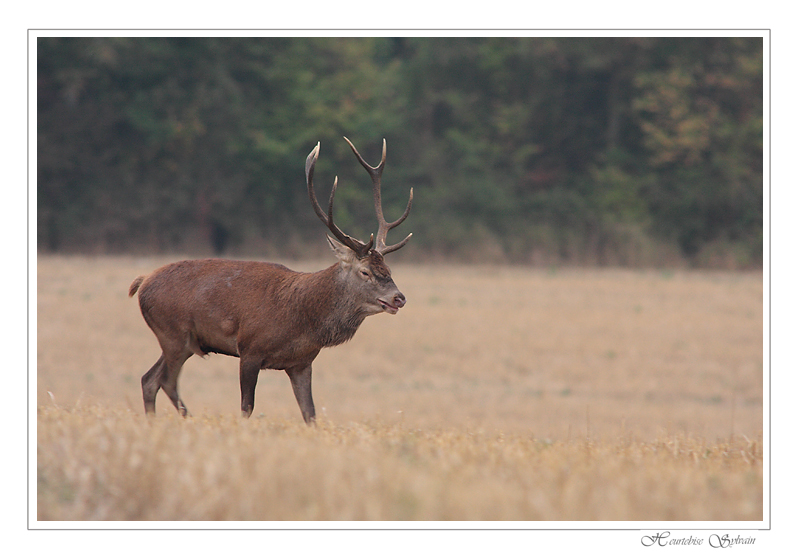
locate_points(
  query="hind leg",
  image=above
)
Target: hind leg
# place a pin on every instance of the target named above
(151, 383)
(164, 375)
(169, 380)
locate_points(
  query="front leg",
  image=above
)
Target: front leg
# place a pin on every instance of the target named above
(248, 376)
(300, 377)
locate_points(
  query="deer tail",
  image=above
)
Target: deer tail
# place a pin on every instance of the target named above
(135, 285)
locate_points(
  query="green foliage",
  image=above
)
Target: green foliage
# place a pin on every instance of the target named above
(633, 151)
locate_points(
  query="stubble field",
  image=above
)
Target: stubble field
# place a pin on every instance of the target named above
(495, 394)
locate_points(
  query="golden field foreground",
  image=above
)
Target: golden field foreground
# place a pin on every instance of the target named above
(495, 394)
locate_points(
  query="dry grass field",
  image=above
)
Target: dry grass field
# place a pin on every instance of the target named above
(495, 394)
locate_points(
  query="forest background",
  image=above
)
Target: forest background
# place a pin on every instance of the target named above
(641, 151)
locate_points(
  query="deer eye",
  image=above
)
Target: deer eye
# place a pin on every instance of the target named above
(364, 274)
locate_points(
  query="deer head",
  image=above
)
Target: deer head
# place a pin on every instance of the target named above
(363, 261)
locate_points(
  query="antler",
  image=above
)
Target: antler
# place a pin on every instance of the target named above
(360, 248)
(383, 227)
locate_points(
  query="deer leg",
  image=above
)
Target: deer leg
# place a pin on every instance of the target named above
(151, 384)
(248, 376)
(169, 381)
(300, 377)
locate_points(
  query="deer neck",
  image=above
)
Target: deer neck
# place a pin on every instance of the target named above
(337, 313)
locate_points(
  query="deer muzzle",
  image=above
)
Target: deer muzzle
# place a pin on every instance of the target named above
(393, 304)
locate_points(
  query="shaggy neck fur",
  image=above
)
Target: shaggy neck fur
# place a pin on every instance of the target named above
(342, 313)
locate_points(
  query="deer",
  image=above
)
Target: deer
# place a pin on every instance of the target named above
(267, 315)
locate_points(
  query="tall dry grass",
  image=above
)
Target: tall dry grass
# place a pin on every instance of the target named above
(98, 463)
(497, 393)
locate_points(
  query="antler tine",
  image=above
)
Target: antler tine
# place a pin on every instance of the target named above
(357, 246)
(383, 227)
(382, 248)
(374, 172)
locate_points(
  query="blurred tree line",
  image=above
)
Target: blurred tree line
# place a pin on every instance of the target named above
(598, 151)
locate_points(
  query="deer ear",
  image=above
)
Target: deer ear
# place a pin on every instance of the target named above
(342, 252)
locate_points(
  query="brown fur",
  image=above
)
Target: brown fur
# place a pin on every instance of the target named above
(266, 314)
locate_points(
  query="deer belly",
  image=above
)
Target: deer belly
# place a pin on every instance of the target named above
(286, 356)
(219, 337)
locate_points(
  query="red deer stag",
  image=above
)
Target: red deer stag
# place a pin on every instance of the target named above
(266, 314)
